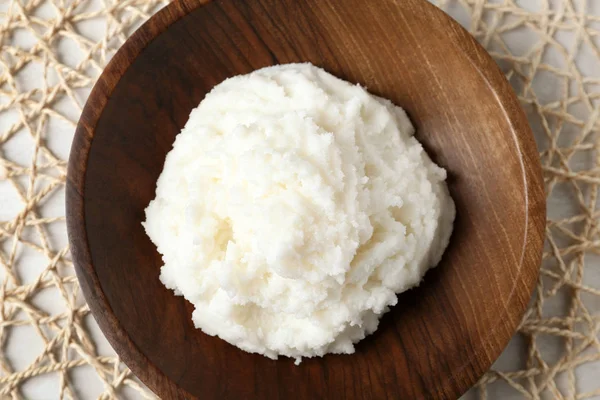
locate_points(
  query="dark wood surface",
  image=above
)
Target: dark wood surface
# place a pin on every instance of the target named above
(440, 337)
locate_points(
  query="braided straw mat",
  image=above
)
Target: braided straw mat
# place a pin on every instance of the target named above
(51, 51)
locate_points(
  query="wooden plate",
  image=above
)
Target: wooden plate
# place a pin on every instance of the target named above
(441, 337)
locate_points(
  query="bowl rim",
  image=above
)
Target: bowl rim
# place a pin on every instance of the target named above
(493, 343)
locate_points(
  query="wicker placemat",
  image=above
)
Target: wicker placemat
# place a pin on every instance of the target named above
(52, 51)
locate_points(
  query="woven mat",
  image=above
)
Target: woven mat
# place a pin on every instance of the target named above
(51, 51)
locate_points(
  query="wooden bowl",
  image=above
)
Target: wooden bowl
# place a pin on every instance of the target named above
(440, 337)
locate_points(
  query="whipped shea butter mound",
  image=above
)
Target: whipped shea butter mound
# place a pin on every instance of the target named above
(292, 209)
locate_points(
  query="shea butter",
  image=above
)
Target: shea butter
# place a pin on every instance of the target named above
(292, 209)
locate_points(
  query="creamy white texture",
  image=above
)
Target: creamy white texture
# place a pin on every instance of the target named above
(292, 209)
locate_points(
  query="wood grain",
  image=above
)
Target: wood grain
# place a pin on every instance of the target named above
(441, 336)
